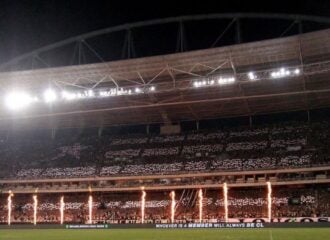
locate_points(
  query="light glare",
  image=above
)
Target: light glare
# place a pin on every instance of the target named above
(224, 81)
(284, 72)
(50, 96)
(252, 76)
(18, 100)
(68, 95)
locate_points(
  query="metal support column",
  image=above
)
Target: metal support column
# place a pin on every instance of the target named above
(238, 31)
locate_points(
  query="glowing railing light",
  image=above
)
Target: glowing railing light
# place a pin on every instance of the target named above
(152, 88)
(50, 96)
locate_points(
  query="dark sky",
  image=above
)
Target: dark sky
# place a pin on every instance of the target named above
(28, 24)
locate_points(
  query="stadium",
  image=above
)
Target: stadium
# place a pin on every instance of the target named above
(186, 144)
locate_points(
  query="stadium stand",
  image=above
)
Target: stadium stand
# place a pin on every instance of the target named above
(290, 145)
(125, 208)
(52, 150)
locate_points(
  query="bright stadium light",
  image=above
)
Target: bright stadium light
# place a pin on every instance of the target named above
(252, 76)
(104, 94)
(50, 96)
(152, 88)
(18, 100)
(90, 93)
(80, 95)
(68, 96)
(283, 72)
(137, 90)
(227, 80)
(203, 83)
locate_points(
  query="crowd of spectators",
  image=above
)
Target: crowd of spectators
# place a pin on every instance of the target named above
(268, 147)
(283, 146)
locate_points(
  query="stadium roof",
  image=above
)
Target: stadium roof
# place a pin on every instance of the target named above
(176, 98)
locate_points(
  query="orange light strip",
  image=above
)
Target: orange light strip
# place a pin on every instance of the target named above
(172, 206)
(35, 207)
(143, 205)
(90, 208)
(225, 197)
(269, 201)
(200, 200)
(62, 205)
(9, 206)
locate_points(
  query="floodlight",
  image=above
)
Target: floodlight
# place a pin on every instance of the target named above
(50, 96)
(18, 100)
(223, 81)
(68, 96)
(90, 93)
(252, 76)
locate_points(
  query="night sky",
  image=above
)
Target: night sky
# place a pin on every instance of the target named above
(28, 24)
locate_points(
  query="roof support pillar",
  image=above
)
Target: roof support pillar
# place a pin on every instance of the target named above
(148, 129)
(238, 31)
(308, 116)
